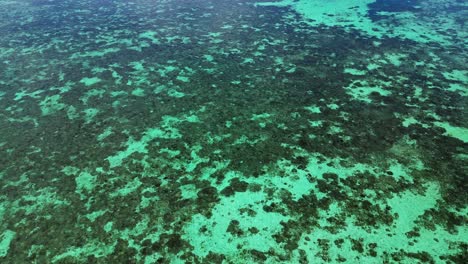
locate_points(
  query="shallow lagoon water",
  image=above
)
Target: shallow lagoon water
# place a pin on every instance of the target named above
(183, 131)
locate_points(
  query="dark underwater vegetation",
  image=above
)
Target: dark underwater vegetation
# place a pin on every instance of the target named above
(233, 131)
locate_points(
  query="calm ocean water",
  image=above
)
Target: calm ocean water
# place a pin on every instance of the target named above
(233, 131)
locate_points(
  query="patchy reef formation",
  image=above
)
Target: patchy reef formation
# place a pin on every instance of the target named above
(220, 131)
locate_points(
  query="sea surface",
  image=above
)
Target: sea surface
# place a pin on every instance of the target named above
(233, 131)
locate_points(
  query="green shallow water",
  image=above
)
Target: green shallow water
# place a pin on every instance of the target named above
(183, 131)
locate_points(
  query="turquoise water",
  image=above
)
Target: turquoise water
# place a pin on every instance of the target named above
(190, 131)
